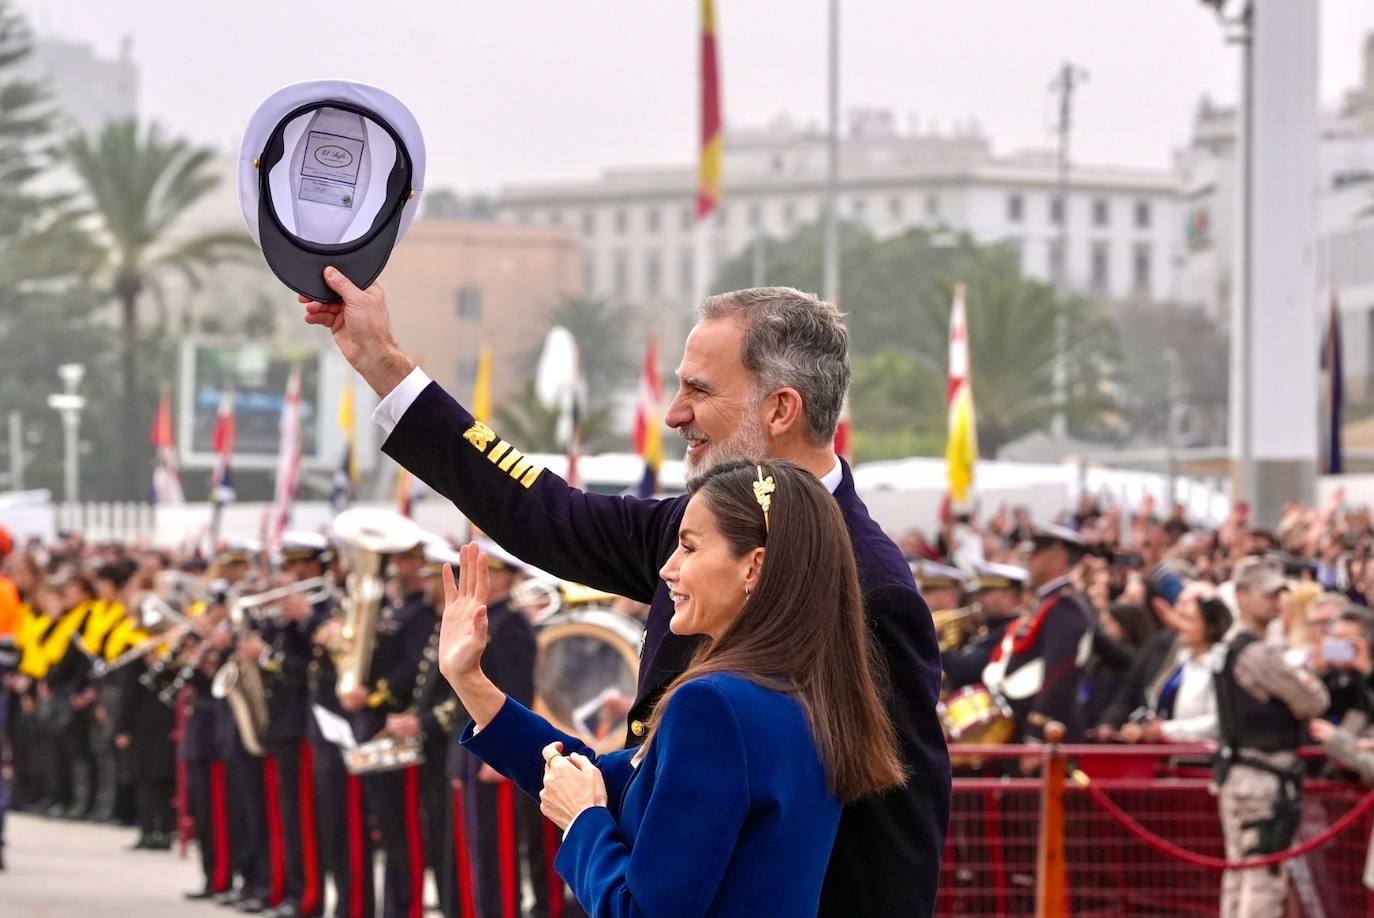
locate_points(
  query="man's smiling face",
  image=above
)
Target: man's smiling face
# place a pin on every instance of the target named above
(715, 409)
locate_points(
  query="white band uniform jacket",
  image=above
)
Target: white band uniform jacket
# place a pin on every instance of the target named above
(728, 814)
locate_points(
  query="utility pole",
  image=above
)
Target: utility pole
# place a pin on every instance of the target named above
(16, 432)
(1068, 78)
(831, 281)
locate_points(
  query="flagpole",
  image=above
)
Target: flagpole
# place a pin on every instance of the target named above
(710, 153)
(831, 282)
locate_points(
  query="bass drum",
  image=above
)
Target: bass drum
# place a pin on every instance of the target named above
(587, 672)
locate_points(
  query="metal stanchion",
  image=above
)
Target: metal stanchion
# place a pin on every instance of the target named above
(1050, 898)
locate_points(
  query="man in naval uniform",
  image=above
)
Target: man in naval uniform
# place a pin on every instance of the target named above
(998, 590)
(1039, 663)
(764, 376)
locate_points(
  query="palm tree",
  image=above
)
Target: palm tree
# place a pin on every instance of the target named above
(137, 184)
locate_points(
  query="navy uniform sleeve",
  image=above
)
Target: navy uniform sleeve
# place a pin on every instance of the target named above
(694, 815)
(610, 543)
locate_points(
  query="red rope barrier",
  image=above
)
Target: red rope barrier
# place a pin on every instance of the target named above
(1164, 846)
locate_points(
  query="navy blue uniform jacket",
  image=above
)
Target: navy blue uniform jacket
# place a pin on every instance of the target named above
(729, 813)
(886, 859)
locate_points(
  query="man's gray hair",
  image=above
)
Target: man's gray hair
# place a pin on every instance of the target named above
(792, 340)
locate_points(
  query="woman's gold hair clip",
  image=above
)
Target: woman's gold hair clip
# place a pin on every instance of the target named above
(763, 493)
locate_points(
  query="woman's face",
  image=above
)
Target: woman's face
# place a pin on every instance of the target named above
(708, 585)
(1191, 630)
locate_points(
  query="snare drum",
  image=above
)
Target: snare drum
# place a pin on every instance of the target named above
(587, 656)
(975, 715)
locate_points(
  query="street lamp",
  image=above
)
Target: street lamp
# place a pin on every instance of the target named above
(69, 405)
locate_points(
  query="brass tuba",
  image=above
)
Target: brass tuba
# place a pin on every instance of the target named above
(368, 535)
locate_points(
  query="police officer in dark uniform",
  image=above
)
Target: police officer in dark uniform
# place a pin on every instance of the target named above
(1040, 662)
(284, 652)
(998, 590)
(407, 624)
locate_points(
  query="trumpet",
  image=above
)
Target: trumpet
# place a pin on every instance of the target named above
(951, 627)
(266, 605)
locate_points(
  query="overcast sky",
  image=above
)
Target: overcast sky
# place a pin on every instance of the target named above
(538, 89)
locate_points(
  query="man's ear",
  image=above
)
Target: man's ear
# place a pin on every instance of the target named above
(784, 411)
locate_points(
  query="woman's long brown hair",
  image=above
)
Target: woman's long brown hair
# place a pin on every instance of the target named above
(802, 631)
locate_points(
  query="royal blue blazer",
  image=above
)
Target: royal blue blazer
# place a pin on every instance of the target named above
(728, 814)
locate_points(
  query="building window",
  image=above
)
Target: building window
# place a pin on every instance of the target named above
(522, 216)
(622, 222)
(651, 220)
(653, 274)
(1140, 269)
(1101, 212)
(1016, 208)
(1056, 210)
(755, 215)
(894, 207)
(932, 205)
(789, 213)
(589, 274)
(621, 274)
(1101, 267)
(556, 217)
(1142, 214)
(589, 223)
(469, 303)
(467, 369)
(857, 207)
(685, 272)
(722, 216)
(688, 216)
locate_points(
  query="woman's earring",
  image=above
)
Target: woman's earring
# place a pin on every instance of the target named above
(746, 589)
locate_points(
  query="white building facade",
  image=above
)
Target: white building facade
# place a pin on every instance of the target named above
(1123, 234)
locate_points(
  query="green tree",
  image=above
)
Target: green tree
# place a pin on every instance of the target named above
(897, 296)
(138, 183)
(533, 427)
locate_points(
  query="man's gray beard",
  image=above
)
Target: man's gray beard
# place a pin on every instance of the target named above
(746, 442)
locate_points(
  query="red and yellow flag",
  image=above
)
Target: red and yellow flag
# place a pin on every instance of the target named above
(648, 426)
(708, 175)
(961, 450)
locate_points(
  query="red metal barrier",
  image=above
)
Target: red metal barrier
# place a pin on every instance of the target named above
(991, 855)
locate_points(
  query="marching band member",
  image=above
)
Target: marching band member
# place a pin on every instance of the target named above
(998, 589)
(942, 586)
(283, 652)
(405, 629)
(198, 751)
(345, 842)
(249, 853)
(493, 809)
(1039, 663)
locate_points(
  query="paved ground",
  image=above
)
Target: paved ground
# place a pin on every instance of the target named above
(73, 870)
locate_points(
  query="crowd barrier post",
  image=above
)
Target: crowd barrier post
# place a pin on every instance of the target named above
(1049, 871)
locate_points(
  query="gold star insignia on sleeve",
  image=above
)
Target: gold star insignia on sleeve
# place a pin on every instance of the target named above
(480, 436)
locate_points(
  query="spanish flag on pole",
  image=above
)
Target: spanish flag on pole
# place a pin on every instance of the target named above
(648, 428)
(961, 451)
(709, 169)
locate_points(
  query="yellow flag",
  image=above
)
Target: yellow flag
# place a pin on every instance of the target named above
(345, 419)
(481, 387)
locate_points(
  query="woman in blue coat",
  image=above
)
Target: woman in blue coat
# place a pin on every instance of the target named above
(731, 805)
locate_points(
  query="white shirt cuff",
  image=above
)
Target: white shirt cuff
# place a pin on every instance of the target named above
(391, 409)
